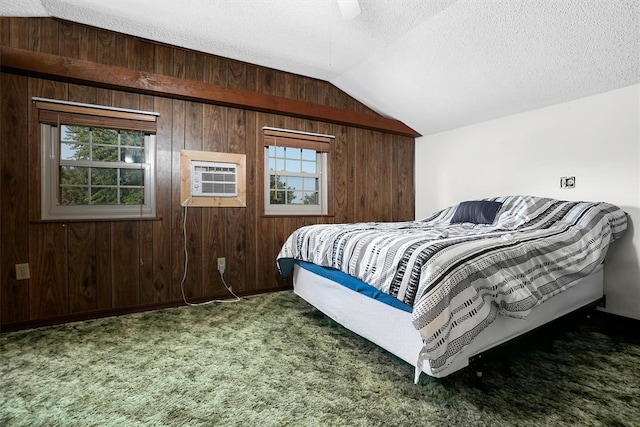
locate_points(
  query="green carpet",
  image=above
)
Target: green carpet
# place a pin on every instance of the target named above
(273, 360)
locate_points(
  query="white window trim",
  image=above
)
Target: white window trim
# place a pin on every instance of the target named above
(298, 132)
(52, 210)
(298, 209)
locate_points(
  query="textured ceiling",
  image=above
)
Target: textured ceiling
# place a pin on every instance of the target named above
(433, 64)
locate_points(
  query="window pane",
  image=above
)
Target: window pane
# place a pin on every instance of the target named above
(292, 166)
(100, 176)
(308, 154)
(103, 153)
(272, 151)
(280, 165)
(75, 134)
(74, 151)
(310, 198)
(279, 151)
(71, 175)
(293, 153)
(294, 183)
(309, 167)
(276, 182)
(104, 196)
(132, 138)
(296, 198)
(272, 164)
(132, 196)
(277, 197)
(132, 155)
(74, 196)
(104, 136)
(131, 177)
(311, 184)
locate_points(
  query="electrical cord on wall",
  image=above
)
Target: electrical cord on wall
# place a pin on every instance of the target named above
(186, 264)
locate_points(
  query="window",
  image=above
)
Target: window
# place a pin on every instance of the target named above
(296, 172)
(97, 163)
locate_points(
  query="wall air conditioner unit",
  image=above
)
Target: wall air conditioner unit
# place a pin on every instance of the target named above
(214, 179)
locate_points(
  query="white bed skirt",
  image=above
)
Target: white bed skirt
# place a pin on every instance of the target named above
(391, 328)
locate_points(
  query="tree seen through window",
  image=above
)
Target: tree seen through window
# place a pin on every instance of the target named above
(100, 166)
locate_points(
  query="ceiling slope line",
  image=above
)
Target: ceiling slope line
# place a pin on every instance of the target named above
(111, 77)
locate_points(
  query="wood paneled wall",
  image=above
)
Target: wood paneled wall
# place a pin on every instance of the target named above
(89, 269)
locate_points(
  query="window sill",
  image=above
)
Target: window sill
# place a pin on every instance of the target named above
(59, 221)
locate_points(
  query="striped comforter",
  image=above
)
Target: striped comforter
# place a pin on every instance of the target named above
(459, 277)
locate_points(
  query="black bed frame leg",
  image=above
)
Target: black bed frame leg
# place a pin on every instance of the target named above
(478, 365)
(602, 302)
(478, 380)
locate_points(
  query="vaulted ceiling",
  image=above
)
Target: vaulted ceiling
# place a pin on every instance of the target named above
(433, 64)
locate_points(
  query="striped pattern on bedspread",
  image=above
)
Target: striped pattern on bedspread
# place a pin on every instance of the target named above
(459, 277)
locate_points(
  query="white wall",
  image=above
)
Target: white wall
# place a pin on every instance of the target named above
(596, 139)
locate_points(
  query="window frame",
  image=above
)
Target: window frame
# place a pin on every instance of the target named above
(52, 115)
(321, 144)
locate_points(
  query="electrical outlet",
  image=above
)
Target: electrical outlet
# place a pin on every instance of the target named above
(222, 264)
(22, 271)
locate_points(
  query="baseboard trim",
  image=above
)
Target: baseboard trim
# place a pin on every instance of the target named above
(98, 314)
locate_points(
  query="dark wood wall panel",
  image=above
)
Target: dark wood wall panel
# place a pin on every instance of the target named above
(251, 214)
(265, 226)
(125, 241)
(235, 217)
(403, 176)
(177, 215)
(146, 236)
(104, 271)
(81, 256)
(68, 40)
(162, 231)
(213, 234)
(94, 268)
(48, 37)
(360, 165)
(339, 174)
(193, 141)
(48, 258)
(14, 196)
(146, 285)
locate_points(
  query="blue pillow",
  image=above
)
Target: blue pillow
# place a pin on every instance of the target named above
(476, 212)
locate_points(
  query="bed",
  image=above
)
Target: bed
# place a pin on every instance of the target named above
(439, 291)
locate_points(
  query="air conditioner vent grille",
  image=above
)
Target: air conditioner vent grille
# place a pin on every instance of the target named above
(214, 179)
